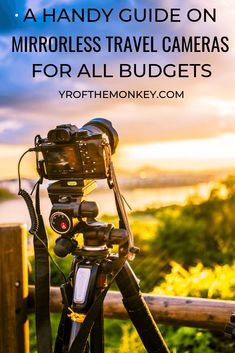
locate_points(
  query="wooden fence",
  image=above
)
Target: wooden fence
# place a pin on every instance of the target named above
(17, 299)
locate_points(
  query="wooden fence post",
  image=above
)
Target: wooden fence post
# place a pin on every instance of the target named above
(14, 328)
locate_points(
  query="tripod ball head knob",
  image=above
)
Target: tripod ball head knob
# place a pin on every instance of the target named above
(64, 245)
(118, 236)
(88, 209)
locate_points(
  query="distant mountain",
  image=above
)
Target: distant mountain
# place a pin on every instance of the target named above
(145, 177)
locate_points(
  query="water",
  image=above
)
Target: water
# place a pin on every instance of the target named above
(15, 211)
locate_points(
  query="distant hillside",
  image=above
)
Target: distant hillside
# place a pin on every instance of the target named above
(5, 194)
(147, 177)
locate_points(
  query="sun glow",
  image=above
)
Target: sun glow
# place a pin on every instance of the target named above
(188, 154)
(9, 156)
(198, 154)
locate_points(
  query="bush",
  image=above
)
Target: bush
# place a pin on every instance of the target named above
(199, 281)
(185, 250)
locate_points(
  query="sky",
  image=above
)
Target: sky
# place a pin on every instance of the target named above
(197, 132)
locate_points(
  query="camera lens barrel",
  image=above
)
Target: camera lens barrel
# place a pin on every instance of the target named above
(106, 127)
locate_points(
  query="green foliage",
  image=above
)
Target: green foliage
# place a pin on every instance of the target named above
(63, 263)
(113, 335)
(191, 254)
(179, 340)
(192, 340)
(187, 339)
(185, 250)
(197, 232)
(199, 281)
(130, 341)
(202, 232)
(55, 318)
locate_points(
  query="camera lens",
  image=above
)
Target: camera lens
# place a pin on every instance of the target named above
(105, 126)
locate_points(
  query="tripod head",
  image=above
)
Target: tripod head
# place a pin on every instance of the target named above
(69, 205)
(71, 214)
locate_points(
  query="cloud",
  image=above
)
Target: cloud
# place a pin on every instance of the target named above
(4, 49)
(207, 110)
(38, 5)
(7, 125)
(17, 127)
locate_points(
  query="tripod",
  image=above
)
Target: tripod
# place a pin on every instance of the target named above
(91, 266)
(76, 158)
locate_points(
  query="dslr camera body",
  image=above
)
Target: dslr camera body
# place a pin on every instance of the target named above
(85, 153)
(75, 158)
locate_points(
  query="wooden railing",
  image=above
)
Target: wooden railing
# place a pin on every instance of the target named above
(17, 299)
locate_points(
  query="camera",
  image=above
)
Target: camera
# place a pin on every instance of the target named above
(69, 152)
(75, 158)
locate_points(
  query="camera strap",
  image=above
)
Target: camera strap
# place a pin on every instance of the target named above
(42, 273)
(42, 284)
(123, 219)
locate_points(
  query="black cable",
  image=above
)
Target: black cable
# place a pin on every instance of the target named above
(33, 215)
(32, 212)
(50, 256)
(28, 200)
(34, 187)
(18, 167)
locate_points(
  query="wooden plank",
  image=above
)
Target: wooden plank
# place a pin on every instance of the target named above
(179, 311)
(14, 329)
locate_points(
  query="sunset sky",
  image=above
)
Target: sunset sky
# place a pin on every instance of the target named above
(197, 132)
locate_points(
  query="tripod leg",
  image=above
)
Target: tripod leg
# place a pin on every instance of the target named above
(97, 334)
(88, 284)
(138, 311)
